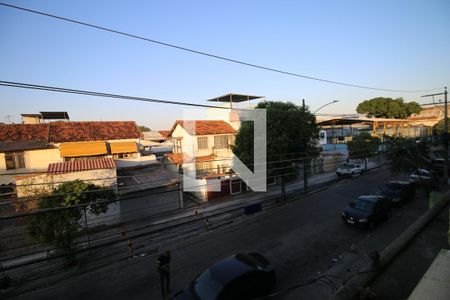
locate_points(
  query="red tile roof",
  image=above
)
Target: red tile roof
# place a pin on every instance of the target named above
(204, 127)
(93, 131)
(81, 165)
(60, 132)
(178, 158)
(23, 132)
(164, 133)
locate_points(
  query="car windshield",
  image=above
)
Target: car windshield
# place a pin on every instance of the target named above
(206, 287)
(348, 166)
(363, 204)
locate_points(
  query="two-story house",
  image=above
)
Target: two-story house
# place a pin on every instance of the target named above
(208, 141)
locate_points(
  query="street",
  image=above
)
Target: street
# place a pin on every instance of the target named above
(302, 239)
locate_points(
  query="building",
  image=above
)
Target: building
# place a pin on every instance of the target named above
(157, 143)
(31, 148)
(211, 141)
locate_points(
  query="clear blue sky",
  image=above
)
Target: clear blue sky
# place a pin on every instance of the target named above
(389, 44)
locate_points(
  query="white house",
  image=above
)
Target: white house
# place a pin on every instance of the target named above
(208, 141)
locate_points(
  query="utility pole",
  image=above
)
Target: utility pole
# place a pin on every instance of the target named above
(445, 134)
(446, 137)
(306, 160)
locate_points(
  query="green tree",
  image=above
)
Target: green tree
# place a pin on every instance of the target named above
(60, 227)
(381, 107)
(292, 133)
(144, 128)
(439, 127)
(363, 146)
(407, 155)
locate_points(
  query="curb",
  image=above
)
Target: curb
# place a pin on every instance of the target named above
(351, 289)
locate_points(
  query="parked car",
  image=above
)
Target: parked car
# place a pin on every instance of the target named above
(241, 276)
(349, 169)
(398, 191)
(366, 211)
(420, 176)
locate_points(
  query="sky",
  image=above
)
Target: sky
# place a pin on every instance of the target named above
(387, 44)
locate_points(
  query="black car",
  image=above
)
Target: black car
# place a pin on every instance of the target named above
(241, 276)
(399, 191)
(366, 211)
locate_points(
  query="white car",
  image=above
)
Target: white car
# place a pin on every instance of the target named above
(420, 176)
(349, 169)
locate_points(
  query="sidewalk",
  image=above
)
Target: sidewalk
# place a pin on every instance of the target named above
(400, 278)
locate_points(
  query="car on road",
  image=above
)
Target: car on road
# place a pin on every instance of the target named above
(366, 211)
(349, 169)
(241, 276)
(398, 191)
(421, 176)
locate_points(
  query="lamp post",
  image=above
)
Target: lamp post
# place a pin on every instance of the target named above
(334, 101)
(306, 163)
(332, 130)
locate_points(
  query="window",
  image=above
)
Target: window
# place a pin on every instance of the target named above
(124, 155)
(178, 148)
(15, 160)
(221, 141)
(202, 142)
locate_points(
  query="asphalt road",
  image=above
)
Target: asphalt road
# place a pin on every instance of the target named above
(302, 239)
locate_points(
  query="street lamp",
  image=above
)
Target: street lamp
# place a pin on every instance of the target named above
(334, 101)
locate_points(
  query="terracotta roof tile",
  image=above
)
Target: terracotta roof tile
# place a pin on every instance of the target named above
(164, 133)
(81, 165)
(60, 132)
(93, 131)
(204, 127)
(178, 158)
(23, 132)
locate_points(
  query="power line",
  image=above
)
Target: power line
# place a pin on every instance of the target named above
(99, 94)
(215, 56)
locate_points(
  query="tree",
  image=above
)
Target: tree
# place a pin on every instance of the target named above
(144, 128)
(439, 127)
(60, 227)
(363, 146)
(292, 134)
(388, 108)
(407, 155)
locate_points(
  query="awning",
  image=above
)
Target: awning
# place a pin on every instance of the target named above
(123, 147)
(82, 149)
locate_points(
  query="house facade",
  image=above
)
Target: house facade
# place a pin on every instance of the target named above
(28, 148)
(208, 142)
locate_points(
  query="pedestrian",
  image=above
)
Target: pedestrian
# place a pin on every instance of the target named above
(163, 267)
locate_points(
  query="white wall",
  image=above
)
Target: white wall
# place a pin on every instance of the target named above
(45, 183)
(135, 162)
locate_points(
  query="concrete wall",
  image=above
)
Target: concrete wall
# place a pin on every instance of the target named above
(135, 162)
(150, 202)
(45, 183)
